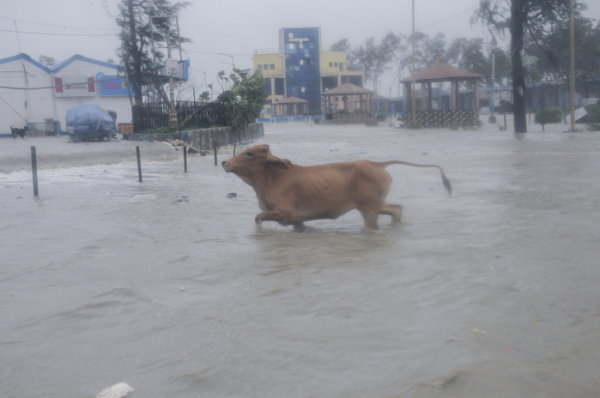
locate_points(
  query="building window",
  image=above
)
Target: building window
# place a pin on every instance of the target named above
(341, 66)
(301, 45)
(272, 66)
(301, 62)
(265, 67)
(336, 99)
(290, 35)
(335, 64)
(331, 64)
(260, 69)
(303, 89)
(291, 46)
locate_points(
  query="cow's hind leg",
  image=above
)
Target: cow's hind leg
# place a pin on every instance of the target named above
(392, 210)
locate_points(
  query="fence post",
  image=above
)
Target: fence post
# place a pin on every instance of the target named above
(34, 170)
(215, 149)
(184, 159)
(137, 150)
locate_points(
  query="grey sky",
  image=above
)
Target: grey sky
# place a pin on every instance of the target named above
(229, 26)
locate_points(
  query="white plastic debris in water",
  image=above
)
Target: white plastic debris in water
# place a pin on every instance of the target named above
(120, 390)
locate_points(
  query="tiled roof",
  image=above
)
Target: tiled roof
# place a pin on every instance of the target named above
(348, 89)
(440, 72)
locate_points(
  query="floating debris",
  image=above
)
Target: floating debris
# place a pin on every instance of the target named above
(119, 390)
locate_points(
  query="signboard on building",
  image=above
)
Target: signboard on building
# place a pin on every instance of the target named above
(113, 85)
(75, 86)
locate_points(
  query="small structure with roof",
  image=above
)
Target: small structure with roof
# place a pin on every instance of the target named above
(441, 72)
(349, 92)
(292, 106)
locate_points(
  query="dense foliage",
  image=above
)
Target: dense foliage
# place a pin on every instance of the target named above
(593, 117)
(244, 98)
(136, 47)
(522, 18)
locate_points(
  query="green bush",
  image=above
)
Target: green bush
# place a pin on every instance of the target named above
(549, 115)
(381, 116)
(593, 117)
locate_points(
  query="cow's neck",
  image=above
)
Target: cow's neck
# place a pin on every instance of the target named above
(262, 183)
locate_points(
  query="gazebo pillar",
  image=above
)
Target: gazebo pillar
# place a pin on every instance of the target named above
(424, 100)
(407, 100)
(476, 94)
(453, 95)
(429, 97)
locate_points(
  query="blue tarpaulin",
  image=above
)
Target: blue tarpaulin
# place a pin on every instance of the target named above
(89, 118)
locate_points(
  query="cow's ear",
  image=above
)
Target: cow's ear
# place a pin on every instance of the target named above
(276, 163)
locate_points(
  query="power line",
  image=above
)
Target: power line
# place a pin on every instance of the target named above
(452, 16)
(56, 26)
(55, 34)
(62, 85)
(206, 52)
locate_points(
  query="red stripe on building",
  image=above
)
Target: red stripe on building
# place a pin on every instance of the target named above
(91, 85)
(58, 83)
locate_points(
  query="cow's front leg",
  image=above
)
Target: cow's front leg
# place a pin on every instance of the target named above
(273, 215)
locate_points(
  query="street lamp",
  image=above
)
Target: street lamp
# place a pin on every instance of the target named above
(494, 44)
(204, 78)
(232, 60)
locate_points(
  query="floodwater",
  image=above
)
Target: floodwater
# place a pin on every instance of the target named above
(168, 286)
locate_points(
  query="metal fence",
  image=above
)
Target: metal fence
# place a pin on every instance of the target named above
(153, 118)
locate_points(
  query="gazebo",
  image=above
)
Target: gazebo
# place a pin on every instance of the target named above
(347, 90)
(428, 117)
(291, 106)
(441, 72)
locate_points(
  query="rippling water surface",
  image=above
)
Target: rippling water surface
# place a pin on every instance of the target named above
(167, 285)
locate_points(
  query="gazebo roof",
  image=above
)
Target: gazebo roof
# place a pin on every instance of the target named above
(290, 100)
(441, 72)
(348, 89)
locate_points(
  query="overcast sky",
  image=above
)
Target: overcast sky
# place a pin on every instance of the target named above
(88, 27)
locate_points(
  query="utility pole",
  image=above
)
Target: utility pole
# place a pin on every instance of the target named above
(173, 117)
(414, 116)
(492, 117)
(572, 91)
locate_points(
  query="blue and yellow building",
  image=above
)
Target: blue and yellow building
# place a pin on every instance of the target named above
(300, 68)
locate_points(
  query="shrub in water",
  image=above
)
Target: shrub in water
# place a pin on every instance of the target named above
(549, 115)
(593, 117)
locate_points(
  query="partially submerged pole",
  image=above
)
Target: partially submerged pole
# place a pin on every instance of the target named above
(34, 170)
(414, 116)
(137, 150)
(215, 150)
(185, 159)
(572, 88)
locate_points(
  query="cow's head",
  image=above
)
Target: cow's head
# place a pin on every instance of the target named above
(253, 161)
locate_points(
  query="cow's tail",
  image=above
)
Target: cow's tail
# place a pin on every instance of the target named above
(444, 178)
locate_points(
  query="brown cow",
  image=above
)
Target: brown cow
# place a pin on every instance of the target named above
(291, 194)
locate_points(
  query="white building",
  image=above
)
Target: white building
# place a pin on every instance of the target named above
(33, 93)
